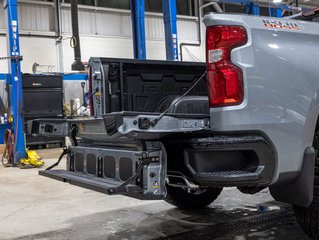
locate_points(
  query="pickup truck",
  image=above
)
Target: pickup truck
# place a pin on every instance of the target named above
(183, 131)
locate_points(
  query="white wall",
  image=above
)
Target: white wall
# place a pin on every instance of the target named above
(40, 50)
(3, 53)
(44, 51)
(98, 47)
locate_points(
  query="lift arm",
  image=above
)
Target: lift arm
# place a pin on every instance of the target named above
(15, 78)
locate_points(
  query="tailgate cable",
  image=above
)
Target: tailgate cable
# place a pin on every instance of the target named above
(7, 156)
(65, 151)
(32, 159)
(123, 187)
(156, 120)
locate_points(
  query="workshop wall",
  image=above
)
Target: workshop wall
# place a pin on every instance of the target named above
(104, 32)
(44, 51)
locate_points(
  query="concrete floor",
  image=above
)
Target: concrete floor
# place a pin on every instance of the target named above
(35, 207)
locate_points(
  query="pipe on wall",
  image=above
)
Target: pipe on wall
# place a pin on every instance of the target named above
(77, 65)
(59, 37)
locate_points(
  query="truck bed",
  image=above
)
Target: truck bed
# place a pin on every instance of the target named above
(129, 97)
(141, 86)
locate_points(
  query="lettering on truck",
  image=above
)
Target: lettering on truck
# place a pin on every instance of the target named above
(277, 24)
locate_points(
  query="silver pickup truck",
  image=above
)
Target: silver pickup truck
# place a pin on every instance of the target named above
(263, 80)
(157, 133)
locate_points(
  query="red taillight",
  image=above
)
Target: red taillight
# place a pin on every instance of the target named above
(225, 80)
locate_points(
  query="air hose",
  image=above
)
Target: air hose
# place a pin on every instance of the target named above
(7, 157)
(32, 158)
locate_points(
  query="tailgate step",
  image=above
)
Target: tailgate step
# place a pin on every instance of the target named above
(87, 181)
(229, 176)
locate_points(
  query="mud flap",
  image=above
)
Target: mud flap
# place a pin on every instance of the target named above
(300, 191)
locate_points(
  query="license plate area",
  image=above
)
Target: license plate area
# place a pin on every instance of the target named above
(153, 125)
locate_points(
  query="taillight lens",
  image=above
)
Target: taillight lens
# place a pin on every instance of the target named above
(225, 80)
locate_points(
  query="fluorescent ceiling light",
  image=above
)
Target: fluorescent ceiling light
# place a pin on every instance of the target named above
(276, 1)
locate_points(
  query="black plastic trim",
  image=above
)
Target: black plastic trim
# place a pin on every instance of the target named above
(112, 123)
(299, 190)
(260, 175)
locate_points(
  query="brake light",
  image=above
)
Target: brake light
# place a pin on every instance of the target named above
(225, 80)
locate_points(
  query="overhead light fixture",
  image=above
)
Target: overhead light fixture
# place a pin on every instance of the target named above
(276, 1)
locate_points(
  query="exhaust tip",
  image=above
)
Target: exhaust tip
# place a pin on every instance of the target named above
(77, 65)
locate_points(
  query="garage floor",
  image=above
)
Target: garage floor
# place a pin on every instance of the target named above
(35, 207)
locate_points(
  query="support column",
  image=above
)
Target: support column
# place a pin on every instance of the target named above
(138, 28)
(252, 8)
(276, 12)
(170, 24)
(15, 78)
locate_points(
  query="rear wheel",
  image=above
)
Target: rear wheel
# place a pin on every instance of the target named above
(194, 199)
(308, 218)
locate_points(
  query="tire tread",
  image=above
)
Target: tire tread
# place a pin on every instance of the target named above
(308, 217)
(187, 201)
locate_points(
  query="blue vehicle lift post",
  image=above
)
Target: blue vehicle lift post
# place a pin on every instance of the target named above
(14, 79)
(170, 24)
(138, 28)
(252, 8)
(276, 12)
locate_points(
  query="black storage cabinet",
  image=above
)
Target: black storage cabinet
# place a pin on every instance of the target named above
(43, 98)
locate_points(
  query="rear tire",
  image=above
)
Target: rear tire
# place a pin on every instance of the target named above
(183, 199)
(308, 217)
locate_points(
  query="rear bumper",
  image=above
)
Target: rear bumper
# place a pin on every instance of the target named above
(245, 159)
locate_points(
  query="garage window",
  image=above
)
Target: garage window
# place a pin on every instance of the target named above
(184, 7)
